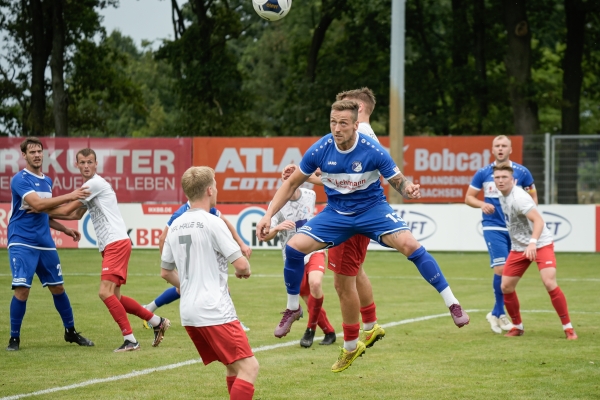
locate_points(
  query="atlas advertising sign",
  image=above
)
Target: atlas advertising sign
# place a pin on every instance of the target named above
(448, 227)
(249, 169)
(139, 170)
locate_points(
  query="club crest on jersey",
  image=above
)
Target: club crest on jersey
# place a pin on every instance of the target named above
(357, 166)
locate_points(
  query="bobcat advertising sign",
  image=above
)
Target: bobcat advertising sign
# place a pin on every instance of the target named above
(139, 170)
(249, 169)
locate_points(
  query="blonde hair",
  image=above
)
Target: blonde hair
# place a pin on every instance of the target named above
(196, 180)
(364, 94)
(504, 166)
(499, 137)
(343, 105)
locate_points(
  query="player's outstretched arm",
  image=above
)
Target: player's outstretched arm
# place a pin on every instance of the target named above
(171, 276)
(284, 226)
(38, 204)
(162, 238)
(406, 188)
(57, 226)
(73, 210)
(534, 196)
(283, 194)
(242, 268)
(246, 250)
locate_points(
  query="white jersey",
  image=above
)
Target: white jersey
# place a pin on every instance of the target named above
(515, 207)
(200, 246)
(104, 212)
(366, 129)
(298, 211)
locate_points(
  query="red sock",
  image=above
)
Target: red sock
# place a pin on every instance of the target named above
(350, 331)
(511, 302)
(368, 313)
(314, 310)
(116, 309)
(241, 390)
(560, 305)
(135, 308)
(323, 322)
(230, 381)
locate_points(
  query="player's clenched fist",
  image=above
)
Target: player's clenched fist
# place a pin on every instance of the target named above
(263, 227)
(413, 191)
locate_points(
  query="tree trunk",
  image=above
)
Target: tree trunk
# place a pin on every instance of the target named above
(480, 62)
(329, 10)
(460, 54)
(39, 61)
(518, 67)
(59, 96)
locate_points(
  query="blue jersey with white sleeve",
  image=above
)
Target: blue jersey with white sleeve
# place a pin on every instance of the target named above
(350, 177)
(29, 229)
(186, 206)
(484, 180)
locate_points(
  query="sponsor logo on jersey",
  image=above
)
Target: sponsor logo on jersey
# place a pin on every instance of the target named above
(357, 166)
(331, 163)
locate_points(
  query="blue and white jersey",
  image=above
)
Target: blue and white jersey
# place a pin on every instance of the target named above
(484, 179)
(351, 177)
(29, 229)
(185, 207)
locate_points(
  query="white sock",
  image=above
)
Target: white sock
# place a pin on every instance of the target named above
(154, 321)
(519, 326)
(448, 297)
(130, 337)
(151, 307)
(293, 302)
(567, 326)
(351, 345)
(367, 326)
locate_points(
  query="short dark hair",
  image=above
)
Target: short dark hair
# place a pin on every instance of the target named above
(30, 141)
(504, 167)
(363, 94)
(343, 105)
(86, 152)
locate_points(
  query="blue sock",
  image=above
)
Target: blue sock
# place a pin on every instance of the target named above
(499, 306)
(293, 271)
(17, 312)
(429, 268)
(167, 297)
(63, 306)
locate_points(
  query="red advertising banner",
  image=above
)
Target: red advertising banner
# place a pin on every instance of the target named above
(249, 169)
(139, 170)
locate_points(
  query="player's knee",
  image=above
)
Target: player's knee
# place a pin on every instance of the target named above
(58, 289)
(507, 288)
(550, 284)
(21, 293)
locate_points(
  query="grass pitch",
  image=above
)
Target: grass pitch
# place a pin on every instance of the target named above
(418, 359)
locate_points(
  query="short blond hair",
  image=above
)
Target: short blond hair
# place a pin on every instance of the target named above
(504, 166)
(346, 105)
(499, 137)
(195, 181)
(364, 95)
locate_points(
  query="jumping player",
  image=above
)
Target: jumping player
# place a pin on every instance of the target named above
(531, 241)
(351, 164)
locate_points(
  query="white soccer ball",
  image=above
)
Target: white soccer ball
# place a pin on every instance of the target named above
(272, 10)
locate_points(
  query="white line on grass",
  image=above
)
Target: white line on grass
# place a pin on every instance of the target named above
(147, 371)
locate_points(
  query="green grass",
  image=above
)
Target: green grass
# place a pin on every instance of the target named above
(429, 359)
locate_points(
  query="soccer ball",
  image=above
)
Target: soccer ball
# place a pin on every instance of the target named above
(272, 10)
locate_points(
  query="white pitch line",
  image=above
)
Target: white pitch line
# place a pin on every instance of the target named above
(147, 371)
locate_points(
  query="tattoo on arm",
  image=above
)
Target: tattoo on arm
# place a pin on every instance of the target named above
(399, 183)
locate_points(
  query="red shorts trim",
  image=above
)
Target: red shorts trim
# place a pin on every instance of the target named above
(517, 263)
(115, 259)
(315, 263)
(347, 258)
(225, 343)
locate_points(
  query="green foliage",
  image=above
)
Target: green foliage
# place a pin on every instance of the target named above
(418, 359)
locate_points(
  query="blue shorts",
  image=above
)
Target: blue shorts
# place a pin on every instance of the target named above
(26, 261)
(333, 228)
(498, 244)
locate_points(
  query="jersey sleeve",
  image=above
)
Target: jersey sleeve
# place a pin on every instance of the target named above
(94, 186)
(310, 160)
(477, 181)
(525, 203)
(167, 259)
(222, 240)
(527, 180)
(21, 186)
(386, 165)
(177, 213)
(215, 212)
